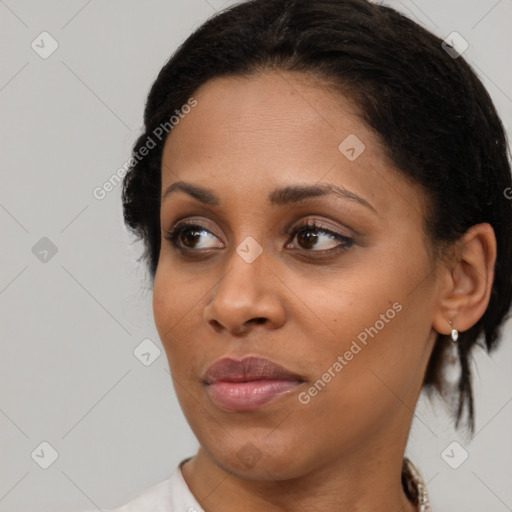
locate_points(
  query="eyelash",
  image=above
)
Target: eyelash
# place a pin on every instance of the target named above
(346, 242)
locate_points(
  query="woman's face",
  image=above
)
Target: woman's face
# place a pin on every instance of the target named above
(306, 249)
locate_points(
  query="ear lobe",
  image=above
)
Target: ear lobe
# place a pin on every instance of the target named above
(466, 281)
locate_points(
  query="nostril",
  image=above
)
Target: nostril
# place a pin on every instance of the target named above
(216, 324)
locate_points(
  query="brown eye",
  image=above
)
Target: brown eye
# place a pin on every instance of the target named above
(307, 239)
(192, 236)
(315, 238)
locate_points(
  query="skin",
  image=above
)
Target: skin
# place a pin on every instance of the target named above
(342, 450)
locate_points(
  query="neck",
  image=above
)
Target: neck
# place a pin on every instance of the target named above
(365, 480)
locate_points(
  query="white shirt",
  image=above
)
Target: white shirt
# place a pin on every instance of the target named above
(174, 495)
(170, 495)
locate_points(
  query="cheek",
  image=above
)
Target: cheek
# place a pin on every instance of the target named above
(378, 323)
(357, 306)
(170, 300)
(177, 311)
(175, 295)
(164, 307)
(363, 342)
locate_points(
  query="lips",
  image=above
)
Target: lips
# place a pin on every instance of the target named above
(250, 383)
(247, 369)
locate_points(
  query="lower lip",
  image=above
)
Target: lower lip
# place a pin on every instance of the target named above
(243, 396)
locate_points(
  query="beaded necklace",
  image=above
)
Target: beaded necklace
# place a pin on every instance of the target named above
(414, 486)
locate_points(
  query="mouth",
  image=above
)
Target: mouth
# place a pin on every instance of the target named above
(250, 383)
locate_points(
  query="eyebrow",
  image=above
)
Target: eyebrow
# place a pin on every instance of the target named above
(278, 197)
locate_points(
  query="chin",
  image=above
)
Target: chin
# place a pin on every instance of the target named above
(256, 458)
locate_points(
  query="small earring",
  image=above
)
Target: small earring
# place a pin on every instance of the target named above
(454, 334)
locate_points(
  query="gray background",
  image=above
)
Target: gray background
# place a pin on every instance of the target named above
(70, 321)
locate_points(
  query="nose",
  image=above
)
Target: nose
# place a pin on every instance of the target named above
(248, 295)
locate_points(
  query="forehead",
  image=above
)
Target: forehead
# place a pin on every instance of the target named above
(255, 132)
(267, 110)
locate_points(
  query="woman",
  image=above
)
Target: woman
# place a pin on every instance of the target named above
(321, 189)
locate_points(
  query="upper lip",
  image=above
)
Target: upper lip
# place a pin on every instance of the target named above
(247, 369)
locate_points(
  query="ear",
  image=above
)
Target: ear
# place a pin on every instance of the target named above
(465, 281)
